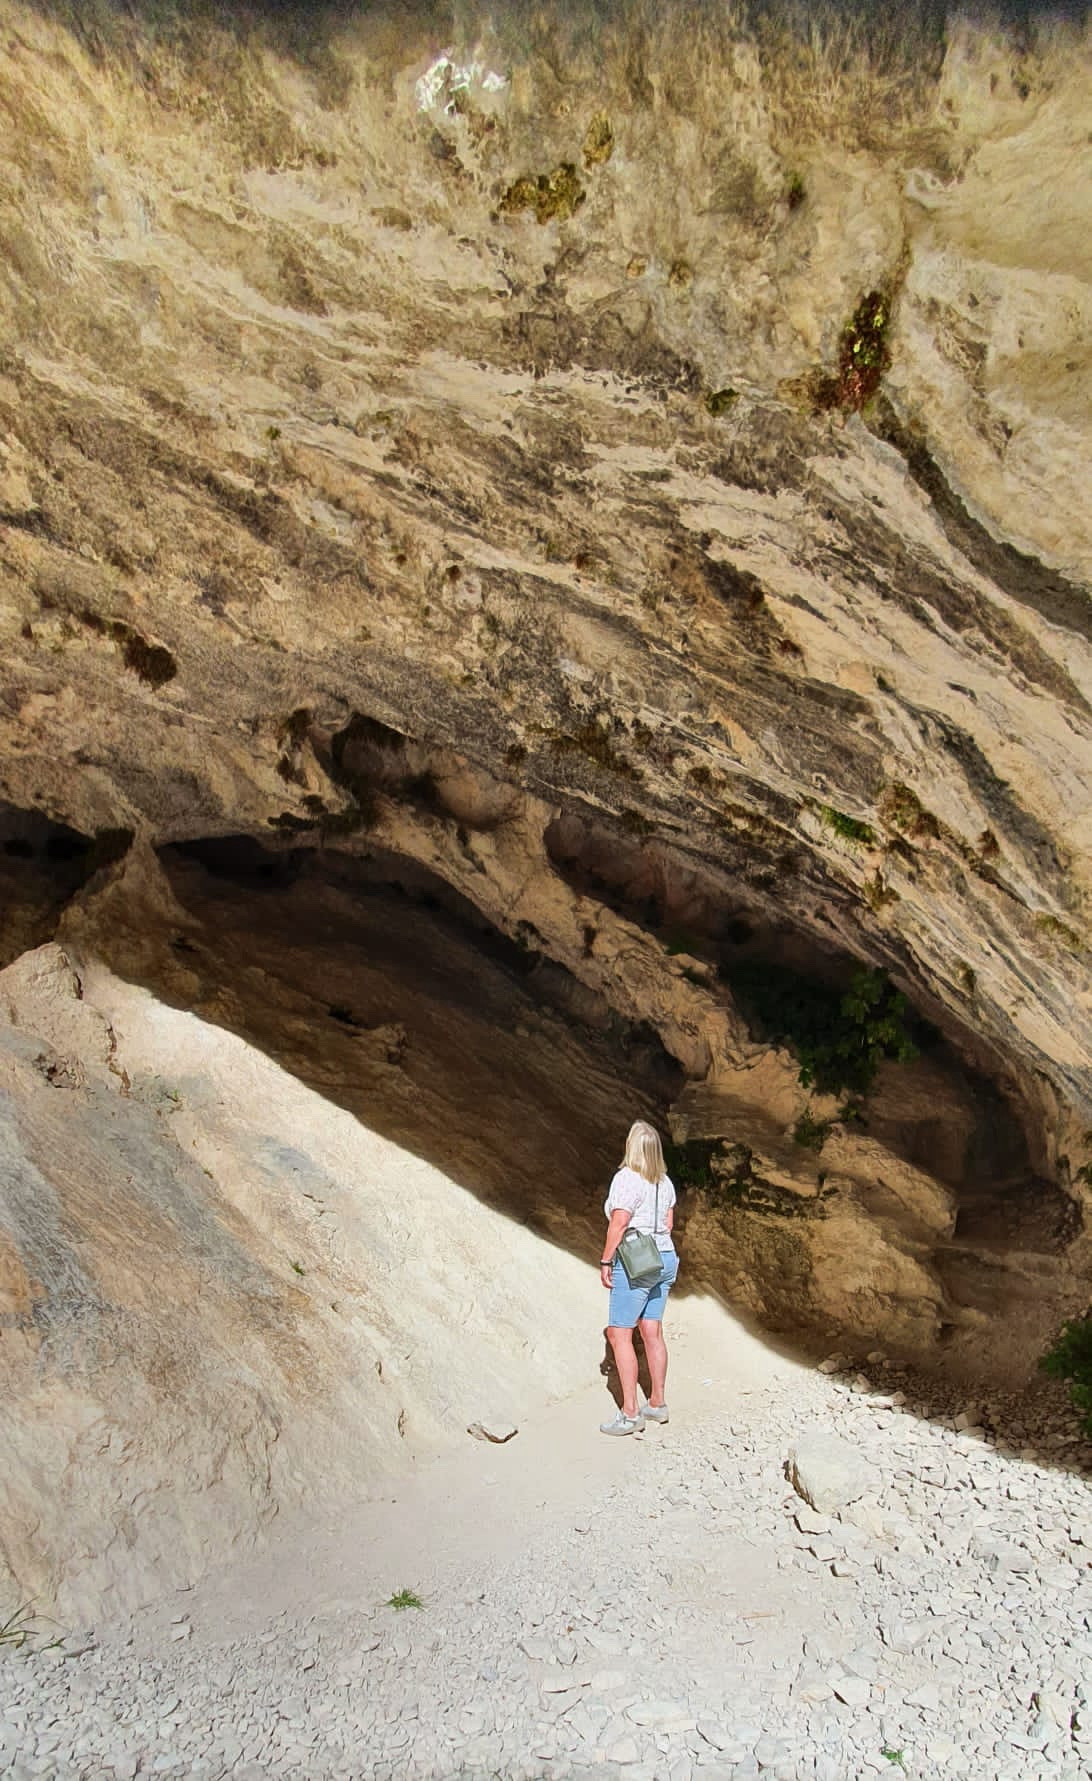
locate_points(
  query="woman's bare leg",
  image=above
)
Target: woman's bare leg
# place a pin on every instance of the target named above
(652, 1335)
(625, 1359)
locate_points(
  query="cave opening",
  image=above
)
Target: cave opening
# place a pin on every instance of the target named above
(789, 983)
(885, 1073)
(43, 864)
(370, 976)
(373, 979)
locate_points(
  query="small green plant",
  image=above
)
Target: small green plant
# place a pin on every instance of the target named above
(1060, 931)
(719, 402)
(863, 357)
(901, 808)
(296, 1269)
(848, 827)
(598, 141)
(16, 1629)
(272, 434)
(405, 1598)
(690, 1164)
(876, 1015)
(22, 1628)
(552, 196)
(810, 1133)
(895, 1757)
(795, 191)
(1069, 1357)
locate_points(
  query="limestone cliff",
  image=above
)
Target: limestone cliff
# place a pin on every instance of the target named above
(631, 472)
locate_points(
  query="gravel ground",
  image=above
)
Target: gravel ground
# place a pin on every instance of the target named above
(695, 1618)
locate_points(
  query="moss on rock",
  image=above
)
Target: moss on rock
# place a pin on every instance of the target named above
(554, 197)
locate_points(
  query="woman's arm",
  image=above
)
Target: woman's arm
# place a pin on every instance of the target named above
(618, 1222)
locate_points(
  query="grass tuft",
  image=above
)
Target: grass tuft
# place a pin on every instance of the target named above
(20, 1629)
(848, 827)
(16, 1629)
(405, 1598)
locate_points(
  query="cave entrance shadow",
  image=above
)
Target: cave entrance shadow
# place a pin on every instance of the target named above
(380, 988)
(375, 984)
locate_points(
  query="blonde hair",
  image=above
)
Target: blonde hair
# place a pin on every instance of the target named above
(644, 1152)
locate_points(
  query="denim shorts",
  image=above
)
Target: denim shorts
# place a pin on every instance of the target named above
(630, 1305)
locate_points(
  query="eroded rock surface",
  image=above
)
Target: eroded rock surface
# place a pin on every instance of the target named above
(221, 1294)
(328, 418)
(632, 480)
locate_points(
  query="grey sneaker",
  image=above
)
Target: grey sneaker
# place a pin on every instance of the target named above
(620, 1425)
(648, 1414)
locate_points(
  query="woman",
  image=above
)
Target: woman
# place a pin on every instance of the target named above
(641, 1194)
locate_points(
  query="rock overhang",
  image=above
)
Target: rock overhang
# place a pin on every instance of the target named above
(329, 421)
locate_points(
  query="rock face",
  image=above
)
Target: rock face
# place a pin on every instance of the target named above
(627, 486)
(222, 1296)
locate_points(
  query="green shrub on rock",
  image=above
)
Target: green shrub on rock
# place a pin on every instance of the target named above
(1070, 1358)
(840, 1038)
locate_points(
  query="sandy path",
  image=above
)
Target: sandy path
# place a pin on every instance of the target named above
(476, 1508)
